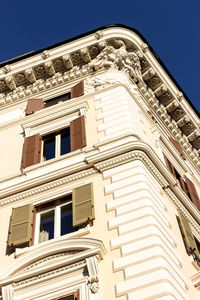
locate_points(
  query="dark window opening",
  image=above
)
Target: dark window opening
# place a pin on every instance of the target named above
(65, 146)
(49, 151)
(58, 99)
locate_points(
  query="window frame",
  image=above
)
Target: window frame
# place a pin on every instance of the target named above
(57, 133)
(57, 217)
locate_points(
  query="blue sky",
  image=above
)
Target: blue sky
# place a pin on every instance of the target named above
(171, 27)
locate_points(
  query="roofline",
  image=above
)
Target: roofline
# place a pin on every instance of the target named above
(29, 54)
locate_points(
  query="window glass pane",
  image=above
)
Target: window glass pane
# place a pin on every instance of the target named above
(49, 148)
(66, 219)
(46, 226)
(65, 141)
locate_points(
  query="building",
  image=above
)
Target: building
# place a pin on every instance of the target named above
(100, 174)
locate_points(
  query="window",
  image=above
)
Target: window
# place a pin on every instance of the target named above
(51, 219)
(54, 144)
(185, 184)
(192, 245)
(34, 105)
(73, 296)
(58, 99)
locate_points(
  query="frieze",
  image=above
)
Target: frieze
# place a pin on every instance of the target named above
(46, 259)
(50, 273)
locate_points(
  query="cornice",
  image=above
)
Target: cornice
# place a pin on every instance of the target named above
(117, 48)
(99, 162)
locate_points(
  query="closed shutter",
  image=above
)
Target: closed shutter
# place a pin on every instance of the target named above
(34, 105)
(77, 133)
(188, 237)
(31, 151)
(82, 205)
(178, 147)
(192, 193)
(21, 226)
(77, 90)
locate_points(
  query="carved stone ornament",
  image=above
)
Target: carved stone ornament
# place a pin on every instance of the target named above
(99, 35)
(6, 69)
(116, 56)
(45, 54)
(94, 287)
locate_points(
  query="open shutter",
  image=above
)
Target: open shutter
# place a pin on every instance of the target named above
(82, 205)
(169, 165)
(192, 192)
(31, 151)
(34, 105)
(77, 133)
(21, 226)
(188, 237)
(77, 90)
(178, 147)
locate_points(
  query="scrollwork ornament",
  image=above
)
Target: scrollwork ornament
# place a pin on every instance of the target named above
(94, 287)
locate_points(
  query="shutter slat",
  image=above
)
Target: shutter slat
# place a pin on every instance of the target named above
(21, 226)
(34, 105)
(77, 133)
(83, 205)
(77, 90)
(31, 151)
(192, 192)
(178, 147)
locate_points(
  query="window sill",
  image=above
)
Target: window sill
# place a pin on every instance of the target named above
(79, 233)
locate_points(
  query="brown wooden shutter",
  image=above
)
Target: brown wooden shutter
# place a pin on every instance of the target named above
(178, 147)
(83, 205)
(21, 226)
(77, 133)
(188, 237)
(192, 192)
(77, 90)
(31, 151)
(34, 105)
(169, 165)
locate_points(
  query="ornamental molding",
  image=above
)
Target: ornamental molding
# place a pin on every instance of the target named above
(102, 51)
(124, 153)
(73, 254)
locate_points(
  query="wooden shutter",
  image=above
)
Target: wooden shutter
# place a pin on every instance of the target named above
(31, 151)
(77, 90)
(77, 133)
(188, 237)
(193, 193)
(21, 226)
(34, 105)
(169, 165)
(178, 147)
(82, 205)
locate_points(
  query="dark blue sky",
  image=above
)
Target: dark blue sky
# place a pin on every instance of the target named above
(171, 27)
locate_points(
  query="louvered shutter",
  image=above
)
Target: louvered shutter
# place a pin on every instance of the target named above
(178, 147)
(34, 105)
(192, 192)
(188, 237)
(77, 133)
(31, 150)
(82, 205)
(77, 90)
(21, 226)
(169, 165)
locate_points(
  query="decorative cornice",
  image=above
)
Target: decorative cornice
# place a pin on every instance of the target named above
(122, 54)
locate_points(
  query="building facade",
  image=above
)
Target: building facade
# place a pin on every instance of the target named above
(100, 174)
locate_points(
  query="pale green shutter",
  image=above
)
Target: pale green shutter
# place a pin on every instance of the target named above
(83, 205)
(188, 237)
(21, 226)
